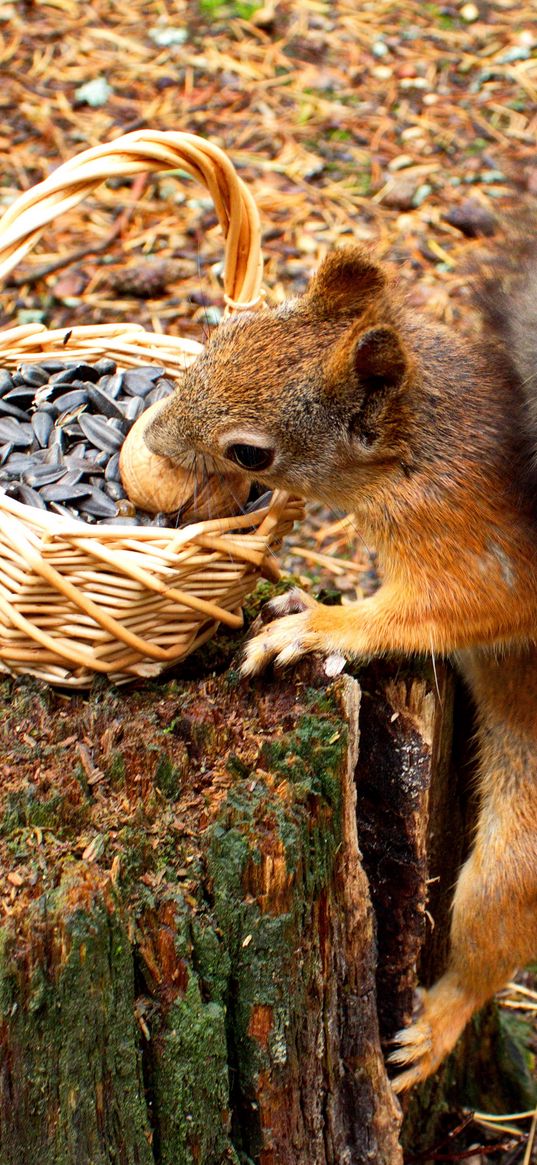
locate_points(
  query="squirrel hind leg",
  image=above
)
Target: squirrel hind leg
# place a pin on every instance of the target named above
(443, 1013)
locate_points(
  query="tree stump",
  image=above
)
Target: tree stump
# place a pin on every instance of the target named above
(188, 965)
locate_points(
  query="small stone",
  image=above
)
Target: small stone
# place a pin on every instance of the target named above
(414, 83)
(143, 280)
(422, 193)
(94, 93)
(515, 53)
(469, 13)
(406, 69)
(400, 191)
(382, 72)
(165, 35)
(400, 162)
(472, 219)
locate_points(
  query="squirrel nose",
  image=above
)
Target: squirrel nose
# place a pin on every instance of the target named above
(251, 457)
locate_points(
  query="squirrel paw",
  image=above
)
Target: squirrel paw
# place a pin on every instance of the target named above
(442, 1013)
(281, 642)
(286, 639)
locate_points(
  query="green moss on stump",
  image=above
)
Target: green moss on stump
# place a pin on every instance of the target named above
(268, 934)
(191, 1084)
(135, 983)
(68, 1032)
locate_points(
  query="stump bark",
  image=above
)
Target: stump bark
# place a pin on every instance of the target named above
(194, 957)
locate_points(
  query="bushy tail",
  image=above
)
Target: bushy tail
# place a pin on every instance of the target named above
(507, 300)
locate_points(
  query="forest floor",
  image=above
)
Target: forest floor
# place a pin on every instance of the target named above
(408, 126)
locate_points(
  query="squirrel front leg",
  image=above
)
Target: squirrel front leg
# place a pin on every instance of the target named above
(369, 627)
(389, 621)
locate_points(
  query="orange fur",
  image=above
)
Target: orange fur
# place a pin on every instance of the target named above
(345, 396)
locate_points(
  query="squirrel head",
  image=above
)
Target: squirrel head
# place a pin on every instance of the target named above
(309, 396)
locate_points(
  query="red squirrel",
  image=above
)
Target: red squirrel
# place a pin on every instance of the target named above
(345, 395)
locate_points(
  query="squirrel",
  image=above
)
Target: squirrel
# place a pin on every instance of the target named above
(347, 396)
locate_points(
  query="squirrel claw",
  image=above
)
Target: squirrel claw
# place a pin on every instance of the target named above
(414, 1051)
(286, 637)
(292, 602)
(281, 642)
(441, 1016)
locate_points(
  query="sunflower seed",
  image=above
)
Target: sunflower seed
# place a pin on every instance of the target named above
(6, 381)
(99, 505)
(111, 472)
(64, 511)
(101, 459)
(103, 403)
(112, 385)
(71, 400)
(78, 372)
(100, 433)
(115, 490)
(19, 433)
(64, 375)
(121, 427)
(139, 381)
(121, 521)
(10, 410)
(25, 494)
(62, 425)
(21, 394)
(68, 421)
(57, 439)
(161, 390)
(259, 503)
(42, 396)
(71, 477)
(134, 408)
(33, 375)
(38, 475)
(105, 366)
(42, 425)
(20, 462)
(53, 454)
(60, 492)
(51, 366)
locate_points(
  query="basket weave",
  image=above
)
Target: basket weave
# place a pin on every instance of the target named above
(77, 599)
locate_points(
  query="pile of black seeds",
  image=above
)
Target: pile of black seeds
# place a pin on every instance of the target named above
(62, 424)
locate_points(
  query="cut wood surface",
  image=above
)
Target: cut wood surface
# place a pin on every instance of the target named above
(188, 968)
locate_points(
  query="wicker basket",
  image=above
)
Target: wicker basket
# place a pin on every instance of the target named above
(77, 599)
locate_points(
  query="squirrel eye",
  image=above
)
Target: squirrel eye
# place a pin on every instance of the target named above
(251, 457)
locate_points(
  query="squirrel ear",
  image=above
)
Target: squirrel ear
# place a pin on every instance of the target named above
(345, 283)
(379, 359)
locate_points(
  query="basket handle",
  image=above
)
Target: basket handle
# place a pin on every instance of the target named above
(147, 150)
